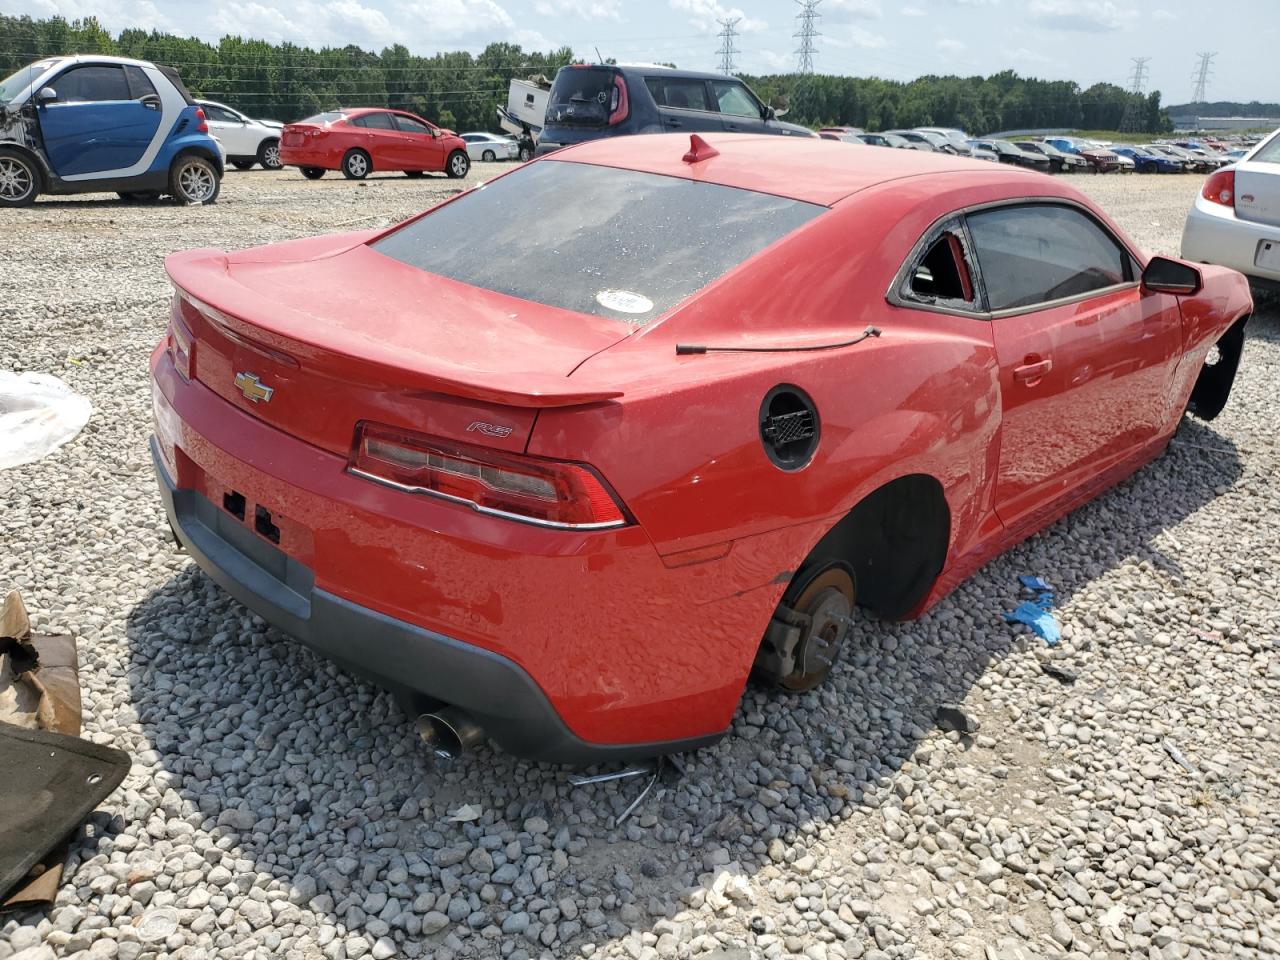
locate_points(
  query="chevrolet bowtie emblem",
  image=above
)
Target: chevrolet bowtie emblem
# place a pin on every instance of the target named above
(253, 388)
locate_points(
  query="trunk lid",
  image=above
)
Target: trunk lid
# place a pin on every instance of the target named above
(1258, 192)
(338, 333)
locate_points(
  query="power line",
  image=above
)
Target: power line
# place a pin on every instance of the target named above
(808, 18)
(727, 47)
(1201, 76)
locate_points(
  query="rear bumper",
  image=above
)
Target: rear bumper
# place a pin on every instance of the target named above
(1214, 234)
(426, 669)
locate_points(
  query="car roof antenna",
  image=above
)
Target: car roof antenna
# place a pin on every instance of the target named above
(699, 150)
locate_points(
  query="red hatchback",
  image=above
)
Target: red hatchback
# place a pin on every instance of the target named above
(364, 141)
(577, 452)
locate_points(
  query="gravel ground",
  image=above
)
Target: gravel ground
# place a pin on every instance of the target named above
(277, 807)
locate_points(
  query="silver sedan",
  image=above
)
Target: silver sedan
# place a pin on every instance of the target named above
(491, 146)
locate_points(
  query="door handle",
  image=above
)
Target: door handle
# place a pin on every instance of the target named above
(673, 123)
(151, 101)
(1032, 370)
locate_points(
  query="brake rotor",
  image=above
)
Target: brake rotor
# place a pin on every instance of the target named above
(828, 601)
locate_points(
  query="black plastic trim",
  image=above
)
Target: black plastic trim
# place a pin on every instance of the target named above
(416, 664)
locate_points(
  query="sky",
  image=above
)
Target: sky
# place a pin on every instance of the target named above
(1088, 41)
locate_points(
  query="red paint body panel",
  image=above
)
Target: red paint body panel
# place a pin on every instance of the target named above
(647, 632)
(324, 145)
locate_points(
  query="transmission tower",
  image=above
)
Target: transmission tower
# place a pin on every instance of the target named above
(808, 18)
(1133, 113)
(728, 33)
(1201, 76)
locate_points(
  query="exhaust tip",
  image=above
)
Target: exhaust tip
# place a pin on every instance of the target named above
(449, 732)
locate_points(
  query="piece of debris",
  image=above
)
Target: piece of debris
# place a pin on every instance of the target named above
(465, 814)
(635, 770)
(951, 716)
(52, 779)
(1058, 672)
(1035, 584)
(1178, 757)
(157, 925)
(38, 414)
(1040, 620)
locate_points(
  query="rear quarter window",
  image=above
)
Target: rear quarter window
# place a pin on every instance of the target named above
(599, 240)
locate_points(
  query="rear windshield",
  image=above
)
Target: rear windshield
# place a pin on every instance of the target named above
(598, 240)
(323, 118)
(581, 95)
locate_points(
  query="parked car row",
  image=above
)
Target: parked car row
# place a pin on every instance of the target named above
(92, 124)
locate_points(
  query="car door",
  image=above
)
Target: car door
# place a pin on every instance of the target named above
(685, 105)
(96, 123)
(420, 142)
(740, 112)
(231, 129)
(380, 138)
(1086, 358)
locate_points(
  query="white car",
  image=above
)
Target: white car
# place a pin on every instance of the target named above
(244, 140)
(1236, 219)
(491, 146)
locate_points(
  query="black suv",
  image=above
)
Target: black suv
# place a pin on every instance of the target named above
(592, 100)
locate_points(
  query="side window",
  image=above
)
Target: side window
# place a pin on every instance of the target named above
(220, 115)
(1041, 252)
(410, 125)
(734, 99)
(375, 121)
(140, 84)
(940, 276)
(655, 90)
(686, 94)
(93, 83)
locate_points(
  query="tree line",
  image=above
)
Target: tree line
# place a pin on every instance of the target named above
(1226, 108)
(284, 81)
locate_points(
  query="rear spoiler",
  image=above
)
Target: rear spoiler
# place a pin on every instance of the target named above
(200, 277)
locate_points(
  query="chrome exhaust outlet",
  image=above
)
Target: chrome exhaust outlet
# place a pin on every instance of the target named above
(449, 732)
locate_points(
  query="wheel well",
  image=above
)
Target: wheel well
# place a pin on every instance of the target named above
(42, 171)
(895, 541)
(199, 152)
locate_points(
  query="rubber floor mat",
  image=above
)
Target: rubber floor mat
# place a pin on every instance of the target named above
(51, 782)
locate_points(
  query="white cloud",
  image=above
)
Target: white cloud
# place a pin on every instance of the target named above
(850, 10)
(704, 15)
(580, 9)
(854, 37)
(867, 40)
(1164, 15)
(912, 12)
(1085, 16)
(1027, 55)
(949, 45)
(115, 15)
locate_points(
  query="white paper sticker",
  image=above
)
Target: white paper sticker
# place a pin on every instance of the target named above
(624, 301)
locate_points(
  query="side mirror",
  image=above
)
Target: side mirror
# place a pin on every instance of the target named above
(1163, 275)
(770, 113)
(47, 95)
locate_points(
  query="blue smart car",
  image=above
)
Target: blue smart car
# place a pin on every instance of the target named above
(93, 124)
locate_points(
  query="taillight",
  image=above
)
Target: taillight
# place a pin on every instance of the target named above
(1221, 188)
(181, 347)
(549, 493)
(202, 125)
(618, 107)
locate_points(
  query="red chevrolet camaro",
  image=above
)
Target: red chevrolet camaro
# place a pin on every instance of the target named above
(577, 451)
(365, 141)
